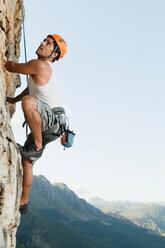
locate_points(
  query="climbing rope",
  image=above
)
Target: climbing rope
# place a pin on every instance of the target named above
(25, 51)
(24, 37)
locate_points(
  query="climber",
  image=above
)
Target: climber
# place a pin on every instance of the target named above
(41, 105)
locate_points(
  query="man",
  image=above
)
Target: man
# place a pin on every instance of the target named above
(41, 106)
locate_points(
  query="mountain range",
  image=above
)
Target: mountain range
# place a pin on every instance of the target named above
(147, 215)
(58, 218)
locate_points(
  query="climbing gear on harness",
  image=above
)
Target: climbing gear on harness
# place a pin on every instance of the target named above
(67, 138)
(59, 129)
(61, 44)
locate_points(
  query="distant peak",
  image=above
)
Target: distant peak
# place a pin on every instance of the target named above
(42, 178)
(60, 185)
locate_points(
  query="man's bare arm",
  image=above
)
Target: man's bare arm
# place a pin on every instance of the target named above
(33, 67)
(18, 98)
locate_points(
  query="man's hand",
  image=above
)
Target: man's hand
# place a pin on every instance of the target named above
(11, 100)
(17, 98)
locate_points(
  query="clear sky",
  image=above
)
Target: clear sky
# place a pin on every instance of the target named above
(112, 83)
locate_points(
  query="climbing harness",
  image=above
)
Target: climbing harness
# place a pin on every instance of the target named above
(25, 52)
(66, 136)
(59, 129)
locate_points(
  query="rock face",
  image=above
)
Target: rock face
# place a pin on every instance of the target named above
(10, 160)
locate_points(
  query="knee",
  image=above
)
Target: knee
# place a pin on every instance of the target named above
(28, 103)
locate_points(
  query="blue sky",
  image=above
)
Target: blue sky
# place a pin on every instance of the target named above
(112, 84)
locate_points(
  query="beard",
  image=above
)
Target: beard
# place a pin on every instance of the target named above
(38, 52)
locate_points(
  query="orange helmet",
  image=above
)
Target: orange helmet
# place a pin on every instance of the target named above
(61, 44)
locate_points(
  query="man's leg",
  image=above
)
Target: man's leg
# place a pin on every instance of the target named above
(27, 180)
(33, 118)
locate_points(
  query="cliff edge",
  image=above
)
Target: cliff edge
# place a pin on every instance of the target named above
(10, 159)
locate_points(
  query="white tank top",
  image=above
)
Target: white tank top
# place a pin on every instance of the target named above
(48, 93)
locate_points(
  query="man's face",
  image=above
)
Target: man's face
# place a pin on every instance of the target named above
(46, 48)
